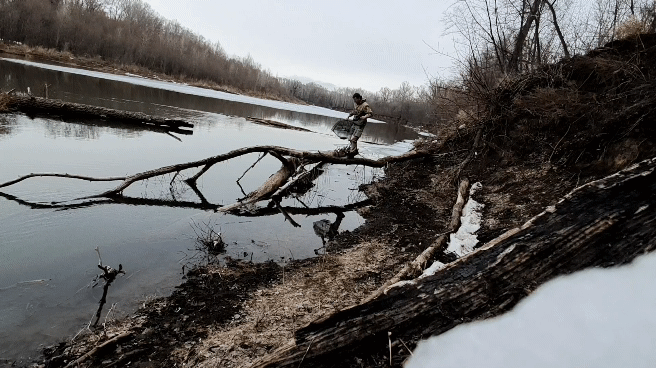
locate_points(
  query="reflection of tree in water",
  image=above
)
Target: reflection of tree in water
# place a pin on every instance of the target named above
(156, 101)
(326, 229)
(7, 125)
(87, 130)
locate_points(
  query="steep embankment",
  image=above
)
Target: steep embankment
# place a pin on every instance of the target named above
(542, 134)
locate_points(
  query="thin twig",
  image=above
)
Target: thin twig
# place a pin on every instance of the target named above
(34, 175)
(108, 313)
(406, 347)
(306, 351)
(178, 139)
(252, 166)
(174, 176)
(561, 139)
(287, 216)
(99, 259)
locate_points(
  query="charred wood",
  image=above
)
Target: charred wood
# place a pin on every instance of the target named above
(601, 224)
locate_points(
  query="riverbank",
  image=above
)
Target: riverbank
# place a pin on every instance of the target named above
(547, 133)
(40, 54)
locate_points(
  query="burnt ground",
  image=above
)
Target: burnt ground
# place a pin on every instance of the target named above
(541, 135)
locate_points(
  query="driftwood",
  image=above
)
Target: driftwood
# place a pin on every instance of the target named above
(32, 105)
(275, 124)
(601, 224)
(416, 267)
(100, 348)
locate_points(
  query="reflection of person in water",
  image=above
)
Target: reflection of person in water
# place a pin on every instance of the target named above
(326, 229)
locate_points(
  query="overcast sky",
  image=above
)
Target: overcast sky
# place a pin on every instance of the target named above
(361, 44)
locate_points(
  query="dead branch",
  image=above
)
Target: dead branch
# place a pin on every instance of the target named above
(286, 214)
(304, 174)
(252, 166)
(98, 349)
(472, 153)
(416, 267)
(266, 190)
(601, 224)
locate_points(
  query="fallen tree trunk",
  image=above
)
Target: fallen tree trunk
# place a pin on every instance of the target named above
(275, 124)
(269, 187)
(601, 224)
(31, 105)
(206, 164)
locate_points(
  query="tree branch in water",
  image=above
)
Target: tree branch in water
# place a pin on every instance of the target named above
(291, 159)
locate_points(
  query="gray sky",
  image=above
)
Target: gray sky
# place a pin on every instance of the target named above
(361, 44)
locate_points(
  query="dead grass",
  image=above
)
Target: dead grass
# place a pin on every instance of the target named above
(269, 320)
(631, 29)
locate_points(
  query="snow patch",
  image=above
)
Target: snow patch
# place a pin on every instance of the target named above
(430, 271)
(602, 318)
(465, 239)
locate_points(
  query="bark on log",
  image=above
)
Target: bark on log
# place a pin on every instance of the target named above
(265, 190)
(601, 224)
(38, 105)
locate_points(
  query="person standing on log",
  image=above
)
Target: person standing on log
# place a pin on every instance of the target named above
(361, 112)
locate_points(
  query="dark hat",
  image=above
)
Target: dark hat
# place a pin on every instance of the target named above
(357, 95)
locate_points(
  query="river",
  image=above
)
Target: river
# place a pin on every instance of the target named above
(47, 255)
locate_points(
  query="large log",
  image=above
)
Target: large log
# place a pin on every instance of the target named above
(601, 224)
(32, 105)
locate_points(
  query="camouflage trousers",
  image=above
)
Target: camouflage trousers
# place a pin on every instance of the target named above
(355, 133)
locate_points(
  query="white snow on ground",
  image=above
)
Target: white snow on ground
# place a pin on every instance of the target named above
(601, 318)
(464, 240)
(430, 271)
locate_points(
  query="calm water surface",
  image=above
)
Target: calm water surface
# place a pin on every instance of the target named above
(47, 257)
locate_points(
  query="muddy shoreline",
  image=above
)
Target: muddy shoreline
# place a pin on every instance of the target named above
(230, 315)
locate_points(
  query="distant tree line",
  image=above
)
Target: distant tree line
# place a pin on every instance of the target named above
(129, 32)
(505, 37)
(501, 37)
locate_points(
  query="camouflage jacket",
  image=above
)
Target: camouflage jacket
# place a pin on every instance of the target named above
(362, 111)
